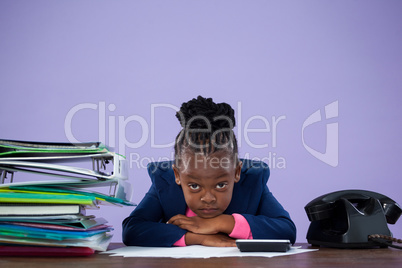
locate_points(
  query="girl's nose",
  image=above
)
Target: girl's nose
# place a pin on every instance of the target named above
(208, 197)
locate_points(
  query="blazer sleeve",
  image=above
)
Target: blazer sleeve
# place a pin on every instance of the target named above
(268, 220)
(272, 220)
(146, 225)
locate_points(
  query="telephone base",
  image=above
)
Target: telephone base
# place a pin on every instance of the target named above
(367, 245)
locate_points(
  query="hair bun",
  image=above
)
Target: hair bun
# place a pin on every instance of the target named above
(219, 115)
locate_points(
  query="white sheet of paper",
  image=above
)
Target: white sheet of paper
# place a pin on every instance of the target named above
(196, 252)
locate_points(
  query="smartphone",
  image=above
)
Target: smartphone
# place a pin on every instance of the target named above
(263, 245)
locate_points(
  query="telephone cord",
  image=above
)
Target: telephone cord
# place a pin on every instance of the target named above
(385, 240)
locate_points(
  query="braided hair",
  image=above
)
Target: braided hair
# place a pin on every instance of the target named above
(207, 128)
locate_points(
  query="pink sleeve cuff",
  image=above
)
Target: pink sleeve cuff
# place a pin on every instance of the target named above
(241, 229)
(181, 242)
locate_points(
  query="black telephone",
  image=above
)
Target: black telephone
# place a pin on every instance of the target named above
(347, 219)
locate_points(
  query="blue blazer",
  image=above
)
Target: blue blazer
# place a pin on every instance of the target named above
(146, 225)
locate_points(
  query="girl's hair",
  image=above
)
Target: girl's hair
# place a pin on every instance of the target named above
(207, 128)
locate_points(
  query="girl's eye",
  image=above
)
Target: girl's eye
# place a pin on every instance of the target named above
(221, 185)
(194, 186)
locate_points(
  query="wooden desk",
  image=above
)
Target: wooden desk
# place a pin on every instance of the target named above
(325, 257)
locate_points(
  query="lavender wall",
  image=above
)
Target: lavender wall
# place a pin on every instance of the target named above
(101, 70)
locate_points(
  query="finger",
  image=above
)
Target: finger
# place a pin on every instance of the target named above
(176, 220)
(180, 221)
(188, 227)
(178, 216)
(232, 243)
(228, 243)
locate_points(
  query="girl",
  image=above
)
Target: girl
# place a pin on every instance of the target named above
(207, 196)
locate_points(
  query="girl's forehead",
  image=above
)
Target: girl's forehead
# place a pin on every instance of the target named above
(219, 162)
(211, 159)
(202, 176)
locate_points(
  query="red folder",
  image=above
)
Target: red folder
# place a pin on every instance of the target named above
(24, 251)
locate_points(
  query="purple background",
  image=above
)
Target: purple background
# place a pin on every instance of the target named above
(275, 58)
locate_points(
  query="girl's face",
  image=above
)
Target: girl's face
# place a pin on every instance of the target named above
(207, 182)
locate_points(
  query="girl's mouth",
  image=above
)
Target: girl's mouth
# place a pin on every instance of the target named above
(209, 210)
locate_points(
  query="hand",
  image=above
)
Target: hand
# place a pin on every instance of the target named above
(214, 240)
(195, 224)
(222, 223)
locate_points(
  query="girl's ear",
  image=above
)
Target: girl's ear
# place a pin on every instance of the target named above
(238, 171)
(176, 174)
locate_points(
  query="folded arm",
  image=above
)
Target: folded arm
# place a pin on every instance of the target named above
(145, 225)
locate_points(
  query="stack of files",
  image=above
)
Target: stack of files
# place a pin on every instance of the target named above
(47, 214)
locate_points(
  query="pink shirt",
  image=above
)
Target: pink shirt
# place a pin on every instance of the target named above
(241, 229)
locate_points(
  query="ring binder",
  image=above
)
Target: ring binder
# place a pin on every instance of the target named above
(43, 158)
(3, 174)
(62, 181)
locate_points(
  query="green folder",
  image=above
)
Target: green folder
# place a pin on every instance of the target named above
(8, 196)
(69, 191)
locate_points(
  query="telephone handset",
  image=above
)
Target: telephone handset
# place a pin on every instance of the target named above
(348, 219)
